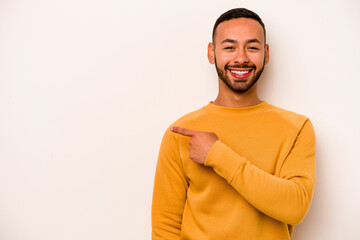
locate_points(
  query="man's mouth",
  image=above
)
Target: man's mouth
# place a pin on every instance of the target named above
(240, 73)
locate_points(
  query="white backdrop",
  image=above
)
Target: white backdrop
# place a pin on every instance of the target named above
(87, 88)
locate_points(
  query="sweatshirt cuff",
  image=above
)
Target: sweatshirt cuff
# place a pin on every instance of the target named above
(224, 160)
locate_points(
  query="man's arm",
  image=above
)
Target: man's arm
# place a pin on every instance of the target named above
(170, 190)
(286, 198)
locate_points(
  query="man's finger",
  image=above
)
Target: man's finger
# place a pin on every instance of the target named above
(183, 131)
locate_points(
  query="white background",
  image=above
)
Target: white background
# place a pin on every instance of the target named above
(88, 87)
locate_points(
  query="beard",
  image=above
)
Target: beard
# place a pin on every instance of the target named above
(240, 86)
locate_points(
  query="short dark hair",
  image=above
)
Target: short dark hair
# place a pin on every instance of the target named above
(237, 13)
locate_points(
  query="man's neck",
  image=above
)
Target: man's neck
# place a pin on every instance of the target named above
(228, 98)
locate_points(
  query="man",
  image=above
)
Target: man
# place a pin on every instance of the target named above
(238, 168)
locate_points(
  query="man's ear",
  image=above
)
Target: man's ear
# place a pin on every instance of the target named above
(267, 54)
(211, 53)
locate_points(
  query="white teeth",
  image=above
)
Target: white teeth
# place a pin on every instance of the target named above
(239, 72)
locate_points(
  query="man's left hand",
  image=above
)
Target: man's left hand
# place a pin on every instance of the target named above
(200, 142)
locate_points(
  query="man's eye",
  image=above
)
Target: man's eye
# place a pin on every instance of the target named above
(229, 47)
(253, 48)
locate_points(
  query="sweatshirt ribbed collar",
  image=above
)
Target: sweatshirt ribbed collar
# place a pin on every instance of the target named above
(211, 107)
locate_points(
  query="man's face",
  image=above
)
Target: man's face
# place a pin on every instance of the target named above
(239, 53)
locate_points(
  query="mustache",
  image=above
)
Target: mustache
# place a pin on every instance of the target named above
(240, 66)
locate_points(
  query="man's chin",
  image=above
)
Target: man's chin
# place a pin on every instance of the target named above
(241, 86)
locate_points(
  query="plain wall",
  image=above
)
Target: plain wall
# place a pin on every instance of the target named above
(88, 87)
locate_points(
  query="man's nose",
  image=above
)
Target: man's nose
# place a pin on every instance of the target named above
(241, 56)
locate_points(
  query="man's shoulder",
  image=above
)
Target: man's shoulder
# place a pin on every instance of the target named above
(188, 120)
(287, 116)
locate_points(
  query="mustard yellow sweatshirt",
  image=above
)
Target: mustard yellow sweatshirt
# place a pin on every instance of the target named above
(257, 181)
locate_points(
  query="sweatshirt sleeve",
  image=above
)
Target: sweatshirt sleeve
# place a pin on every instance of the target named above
(170, 190)
(286, 197)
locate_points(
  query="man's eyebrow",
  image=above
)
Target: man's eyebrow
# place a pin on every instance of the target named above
(229, 41)
(253, 40)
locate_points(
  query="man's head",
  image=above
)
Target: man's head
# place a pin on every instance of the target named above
(239, 50)
(237, 13)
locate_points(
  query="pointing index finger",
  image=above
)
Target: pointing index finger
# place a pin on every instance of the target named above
(183, 131)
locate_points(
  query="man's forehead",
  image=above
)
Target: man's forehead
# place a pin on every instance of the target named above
(239, 27)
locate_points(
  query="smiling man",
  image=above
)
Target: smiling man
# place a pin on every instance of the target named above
(238, 168)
